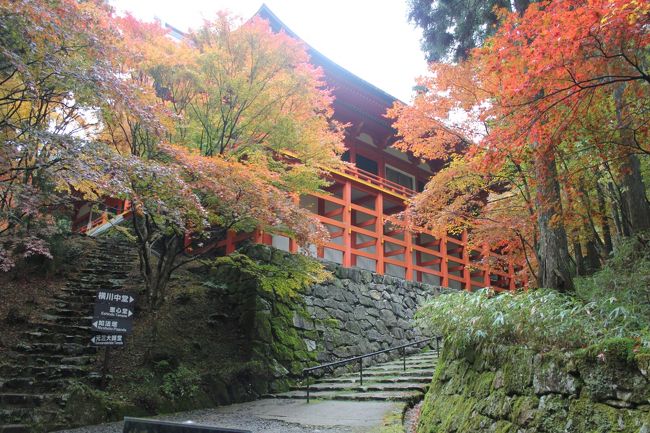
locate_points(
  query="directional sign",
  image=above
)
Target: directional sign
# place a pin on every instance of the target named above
(118, 298)
(112, 311)
(107, 340)
(117, 326)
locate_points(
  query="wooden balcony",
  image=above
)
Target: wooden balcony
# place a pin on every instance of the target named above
(355, 212)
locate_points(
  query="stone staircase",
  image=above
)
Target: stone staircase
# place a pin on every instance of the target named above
(35, 374)
(387, 381)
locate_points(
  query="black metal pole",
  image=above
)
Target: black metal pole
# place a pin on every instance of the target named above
(361, 371)
(308, 384)
(107, 356)
(437, 346)
(404, 357)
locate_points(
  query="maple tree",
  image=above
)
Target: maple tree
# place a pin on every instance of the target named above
(251, 130)
(53, 70)
(218, 132)
(555, 108)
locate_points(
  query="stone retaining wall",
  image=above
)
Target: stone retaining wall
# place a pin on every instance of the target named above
(355, 312)
(512, 389)
(367, 312)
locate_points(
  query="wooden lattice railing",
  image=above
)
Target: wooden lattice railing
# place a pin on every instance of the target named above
(361, 236)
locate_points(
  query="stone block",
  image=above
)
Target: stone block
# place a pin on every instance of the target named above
(550, 377)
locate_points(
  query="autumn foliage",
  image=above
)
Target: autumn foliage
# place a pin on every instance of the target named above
(219, 131)
(550, 118)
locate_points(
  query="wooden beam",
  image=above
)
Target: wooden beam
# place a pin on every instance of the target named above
(347, 224)
(379, 230)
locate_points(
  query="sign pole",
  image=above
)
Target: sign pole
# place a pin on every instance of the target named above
(105, 364)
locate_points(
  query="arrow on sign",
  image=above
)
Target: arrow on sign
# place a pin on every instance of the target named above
(107, 340)
(111, 310)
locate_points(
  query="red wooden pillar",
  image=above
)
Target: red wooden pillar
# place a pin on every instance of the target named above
(418, 257)
(293, 245)
(230, 242)
(320, 250)
(467, 273)
(347, 223)
(379, 230)
(486, 272)
(444, 262)
(258, 236)
(511, 275)
(408, 254)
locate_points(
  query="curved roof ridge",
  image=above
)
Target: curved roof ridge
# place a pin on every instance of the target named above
(276, 24)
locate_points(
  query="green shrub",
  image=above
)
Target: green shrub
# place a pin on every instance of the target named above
(182, 383)
(288, 275)
(540, 319)
(622, 288)
(612, 304)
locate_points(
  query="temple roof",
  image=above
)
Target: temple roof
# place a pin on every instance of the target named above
(351, 91)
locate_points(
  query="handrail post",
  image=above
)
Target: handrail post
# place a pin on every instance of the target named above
(308, 386)
(404, 357)
(361, 371)
(437, 345)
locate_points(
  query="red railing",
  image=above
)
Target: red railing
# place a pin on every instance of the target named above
(361, 236)
(378, 181)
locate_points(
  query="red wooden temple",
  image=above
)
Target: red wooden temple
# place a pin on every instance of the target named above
(362, 197)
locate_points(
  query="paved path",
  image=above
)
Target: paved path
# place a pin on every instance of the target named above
(342, 404)
(282, 416)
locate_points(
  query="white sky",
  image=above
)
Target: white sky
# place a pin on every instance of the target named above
(370, 38)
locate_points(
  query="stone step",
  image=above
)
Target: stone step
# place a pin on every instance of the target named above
(68, 349)
(30, 384)
(14, 428)
(401, 373)
(41, 360)
(42, 372)
(378, 379)
(405, 396)
(15, 415)
(101, 257)
(67, 312)
(409, 366)
(64, 329)
(55, 337)
(73, 304)
(79, 295)
(395, 369)
(18, 400)
(367, 387)
(63, 320)
(422, 358)
(94, 281)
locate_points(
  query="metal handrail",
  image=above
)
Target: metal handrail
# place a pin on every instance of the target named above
(307, 371)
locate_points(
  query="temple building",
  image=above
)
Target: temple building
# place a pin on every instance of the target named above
(377, 184)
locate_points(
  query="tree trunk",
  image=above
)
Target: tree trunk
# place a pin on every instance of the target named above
(521, 6)
(635, 203)
(604, 223)
(553, 254)
(579, 258)
(592, 262)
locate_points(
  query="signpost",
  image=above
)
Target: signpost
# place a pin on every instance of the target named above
(112, 317)
(112, 320)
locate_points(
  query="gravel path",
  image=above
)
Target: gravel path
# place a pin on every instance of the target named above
(279, 416)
